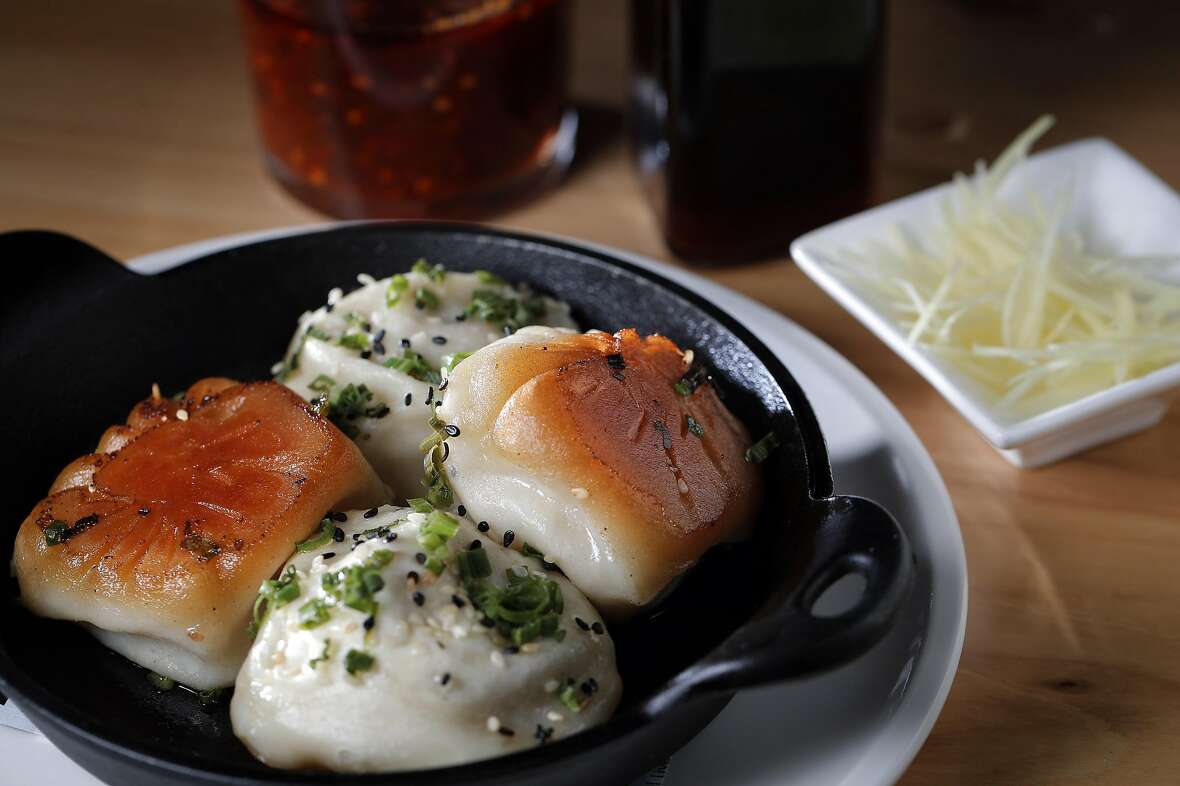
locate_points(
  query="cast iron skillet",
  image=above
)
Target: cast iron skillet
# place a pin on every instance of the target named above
(83, 339)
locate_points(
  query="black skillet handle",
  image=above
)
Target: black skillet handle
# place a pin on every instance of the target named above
(785, 639)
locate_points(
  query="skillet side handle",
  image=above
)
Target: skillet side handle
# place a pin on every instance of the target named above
(785, 639)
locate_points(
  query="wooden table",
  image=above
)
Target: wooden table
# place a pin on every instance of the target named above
(130, 125)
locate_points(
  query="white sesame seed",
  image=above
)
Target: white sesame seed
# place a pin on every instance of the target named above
(493, 724)
(92, 488)
(688, 356)
(551, 686)
(155, 391)
(182, 414)
(579, 492)
(556, 717)
(497, 659)
(680, 484)
(530, 647)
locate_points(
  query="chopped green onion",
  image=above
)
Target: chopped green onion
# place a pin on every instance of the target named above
(419, 505)
(393, 293)
(322, 384)
(761, 449)
(527, 609)
(57, 533)
(314, 613)
(321, 538)
(424, 298)
(160, 682)
(414, 365)
(358, 660)
(323, 656)
(488, 277)
(436, 272)
(571, 697)
(434, 534)
(455, 358)
(473, 565)
(508, 312)
(204, 547)
(356, 585)
(529, 550)
(696, 428)
(354, 341)
(274, 593)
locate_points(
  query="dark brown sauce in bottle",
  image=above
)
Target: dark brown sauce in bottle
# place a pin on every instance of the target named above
(754, 120)
(409, 108)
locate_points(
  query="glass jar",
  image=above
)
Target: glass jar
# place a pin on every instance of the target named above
(411, 108)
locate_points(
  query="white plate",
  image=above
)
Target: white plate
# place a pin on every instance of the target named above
(860, 725)
(1121, 208)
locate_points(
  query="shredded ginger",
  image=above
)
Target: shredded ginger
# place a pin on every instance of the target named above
(1011, 297)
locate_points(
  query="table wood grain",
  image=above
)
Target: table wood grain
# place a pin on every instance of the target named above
(129, 124)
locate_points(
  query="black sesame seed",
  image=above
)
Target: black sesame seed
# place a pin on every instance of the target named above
(459, 602)
(328, 308)
(420, 558)
(509, 536)
(616, 361)
(511, 649)
(507, 732)
(597, 628)
(391, 537)
(488, 622)
(429, 395)
(370, 513)
(475, 544)
(412, 576)
(462, 511)
(370, 621)
(409, 399)
(617, 374)
(590, 686)
(338, 516)
(144, 511)
(543, 733)
(582, 623)
(338, 535)
(329, 554)
(446, 446)
(366, 354)
(380, 335)
(419, 599)
(451, 429)
(378, 347)
(440, 340)
(461, 318)
(482, 526)
(380, 412)
(445, 678)
(405, 342)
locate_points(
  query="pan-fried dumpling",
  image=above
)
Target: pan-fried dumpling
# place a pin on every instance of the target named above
(373, 662)
(159, 542)
(376, 353)
(603, 452)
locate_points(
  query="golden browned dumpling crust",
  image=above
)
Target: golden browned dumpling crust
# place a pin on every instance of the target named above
(162, 542)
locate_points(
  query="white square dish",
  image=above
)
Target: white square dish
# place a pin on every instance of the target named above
(1120, 208)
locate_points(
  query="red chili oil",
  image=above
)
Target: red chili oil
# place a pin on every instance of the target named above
(410, 108)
